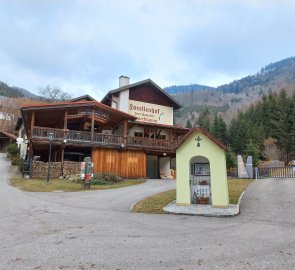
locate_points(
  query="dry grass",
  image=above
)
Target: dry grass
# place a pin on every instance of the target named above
(154, 204)
(40, 185)
(236, 188)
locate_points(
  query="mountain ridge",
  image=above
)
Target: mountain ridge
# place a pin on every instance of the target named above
(237, 85)
(237, 95)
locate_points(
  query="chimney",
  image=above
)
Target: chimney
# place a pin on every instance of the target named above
(123, 81)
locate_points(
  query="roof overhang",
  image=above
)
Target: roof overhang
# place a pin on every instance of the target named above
(159, 126)
(9, 135)
(149, 82)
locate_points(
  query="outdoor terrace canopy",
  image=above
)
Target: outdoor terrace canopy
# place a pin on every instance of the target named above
(72, 115)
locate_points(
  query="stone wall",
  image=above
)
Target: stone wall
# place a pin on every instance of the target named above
(40, 169)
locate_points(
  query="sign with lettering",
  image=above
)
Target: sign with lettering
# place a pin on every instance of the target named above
(152, 113)
(97, 113)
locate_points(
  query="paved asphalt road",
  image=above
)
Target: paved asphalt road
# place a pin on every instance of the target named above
(95, 230)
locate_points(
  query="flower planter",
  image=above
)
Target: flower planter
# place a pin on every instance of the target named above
(203, 201)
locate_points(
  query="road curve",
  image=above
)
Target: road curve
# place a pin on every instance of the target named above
(95, 230)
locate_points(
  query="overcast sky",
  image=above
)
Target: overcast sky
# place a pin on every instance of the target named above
(84, 46)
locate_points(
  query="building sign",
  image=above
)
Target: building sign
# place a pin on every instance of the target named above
(151, 113)
(97, 113)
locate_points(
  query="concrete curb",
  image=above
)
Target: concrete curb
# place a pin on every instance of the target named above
(208, 211)
(204, 210)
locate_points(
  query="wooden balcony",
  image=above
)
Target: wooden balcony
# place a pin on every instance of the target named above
(103, 140)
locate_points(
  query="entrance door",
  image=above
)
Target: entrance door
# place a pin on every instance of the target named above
(152, 167)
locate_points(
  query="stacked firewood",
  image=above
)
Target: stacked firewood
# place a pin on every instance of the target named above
(71, 168)
(40, 169)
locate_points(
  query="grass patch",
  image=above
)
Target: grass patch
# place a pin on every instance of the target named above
(154, 204)
(40, 185)
(236, 188)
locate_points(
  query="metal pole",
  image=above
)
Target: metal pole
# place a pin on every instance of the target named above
(49, 159)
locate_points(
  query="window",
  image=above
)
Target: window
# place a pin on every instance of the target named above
(162, 137)
(138, 134)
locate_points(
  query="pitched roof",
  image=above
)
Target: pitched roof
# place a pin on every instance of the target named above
(83, 98)
(9, 135)
(176, 105)
(18, 123)
(206, 133)
(77, 104)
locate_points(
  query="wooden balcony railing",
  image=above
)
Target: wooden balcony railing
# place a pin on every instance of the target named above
(73, 136)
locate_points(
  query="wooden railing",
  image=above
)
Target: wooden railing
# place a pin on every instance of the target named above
(73, 136)
(151, 143)
(107, 139)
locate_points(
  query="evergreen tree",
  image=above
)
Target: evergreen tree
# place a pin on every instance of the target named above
(252, 150)
(188, 124)
(292, 126)
(205, 119)
(281, 122)
(219, 129)
(231, 160)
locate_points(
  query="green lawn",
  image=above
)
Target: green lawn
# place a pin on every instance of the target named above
(40, 185)
(154, 204)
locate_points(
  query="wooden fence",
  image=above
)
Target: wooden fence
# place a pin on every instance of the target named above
(276, 172)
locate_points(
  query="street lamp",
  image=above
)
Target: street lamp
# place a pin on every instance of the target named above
(50, 138)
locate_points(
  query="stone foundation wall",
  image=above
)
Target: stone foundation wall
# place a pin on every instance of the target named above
(40, 169)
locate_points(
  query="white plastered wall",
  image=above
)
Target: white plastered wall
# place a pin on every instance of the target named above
(164, 166)
(123, 100)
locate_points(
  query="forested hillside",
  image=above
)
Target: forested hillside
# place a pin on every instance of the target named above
(265, 131)
(238, 95)
(12, 91)
(176, 89)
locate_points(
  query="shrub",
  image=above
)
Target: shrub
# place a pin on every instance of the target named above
(107, 177)
(100, 182)
(12, 149)
(15, 161)
(74, 178)
(98, 176)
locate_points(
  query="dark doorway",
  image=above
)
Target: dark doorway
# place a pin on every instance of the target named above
(152, 167)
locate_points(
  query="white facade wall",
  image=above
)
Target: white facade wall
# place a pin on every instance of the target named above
(123, 104)
(135, 129)
(23, 148)
(115, 102)
(164, 166)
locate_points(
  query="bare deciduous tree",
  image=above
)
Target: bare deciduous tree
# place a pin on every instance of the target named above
(9, 112)
(52, 94)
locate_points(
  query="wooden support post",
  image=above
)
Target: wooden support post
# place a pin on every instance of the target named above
(32, 124)
(92, 125)
(66, 120)
(125, 131)
(30, 149)
(158, 133)
(65, 125)
(62, 159)
(55, 154)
